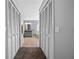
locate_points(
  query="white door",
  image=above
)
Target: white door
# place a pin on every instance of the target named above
(13, 33)
(46, 30)
(17, 31)
(9, 31)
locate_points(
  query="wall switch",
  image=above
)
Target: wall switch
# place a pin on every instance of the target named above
(57, 29)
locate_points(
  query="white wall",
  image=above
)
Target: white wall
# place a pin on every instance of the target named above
(64, 35)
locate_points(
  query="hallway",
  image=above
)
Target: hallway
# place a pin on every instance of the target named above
(39, 29)
(30, 53)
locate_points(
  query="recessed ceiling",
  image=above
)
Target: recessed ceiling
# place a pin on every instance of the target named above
(29, 8)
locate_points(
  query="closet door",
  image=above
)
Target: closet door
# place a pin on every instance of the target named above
(9, 31)
(41, 35)
(46, 40)
(43, 43)
(13, 32)
(40, 45)
(51, 31)
(17, 31)
(43, 30)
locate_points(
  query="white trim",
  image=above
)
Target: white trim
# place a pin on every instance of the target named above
(12, 3)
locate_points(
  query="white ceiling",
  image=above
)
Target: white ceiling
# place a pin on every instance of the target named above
(29, 8)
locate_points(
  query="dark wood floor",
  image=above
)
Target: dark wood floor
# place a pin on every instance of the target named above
(30, 53)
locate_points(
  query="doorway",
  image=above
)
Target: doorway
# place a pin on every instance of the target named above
(31, 34)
